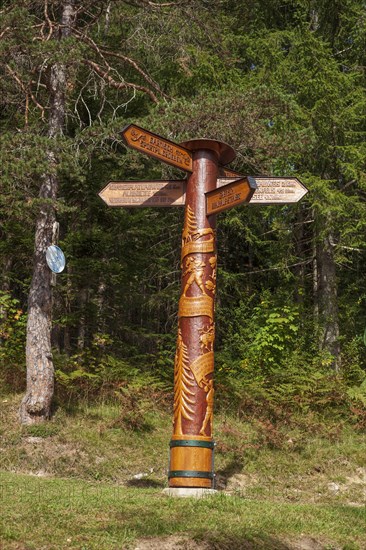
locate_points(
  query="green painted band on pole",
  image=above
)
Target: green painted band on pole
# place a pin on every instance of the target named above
(192, 443)
(191, 473)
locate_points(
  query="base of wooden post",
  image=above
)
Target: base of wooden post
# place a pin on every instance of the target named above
(189, 492)
(191, 463)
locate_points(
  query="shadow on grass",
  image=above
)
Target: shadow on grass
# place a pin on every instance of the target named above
(223, 475)
(146, 483)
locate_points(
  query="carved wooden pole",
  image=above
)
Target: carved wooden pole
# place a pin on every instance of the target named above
(191, 447)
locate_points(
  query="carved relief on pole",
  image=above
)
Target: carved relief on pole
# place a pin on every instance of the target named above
(207, 337)
(191, 456)
(183, 383)
(211, 283)
(207, 421)
(195, 242)
(192, 234)
(194, 364)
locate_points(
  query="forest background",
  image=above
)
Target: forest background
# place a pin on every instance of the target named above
(283, 82)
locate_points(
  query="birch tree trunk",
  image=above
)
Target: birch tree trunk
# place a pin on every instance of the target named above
(36, 404)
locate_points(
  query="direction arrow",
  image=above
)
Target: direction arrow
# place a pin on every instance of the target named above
(273, 190)
(230, 195)
(227, 173)
(144, 193)
(158, 147)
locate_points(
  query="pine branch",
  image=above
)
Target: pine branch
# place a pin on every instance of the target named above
(162, 5)
(148, 3)
(27, 93)
(104, 74)
(103, 52)
(48, 22)
(4, 31)
(133, 63)
(306, 262)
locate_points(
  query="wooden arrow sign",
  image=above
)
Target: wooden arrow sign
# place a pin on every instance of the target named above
(230, 195)
(144, 193)
(273, 190)
(227, 173)
(230, 192)
(158, 147)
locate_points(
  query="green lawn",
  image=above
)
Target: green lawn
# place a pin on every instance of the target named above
(63, 513)
(71, 484)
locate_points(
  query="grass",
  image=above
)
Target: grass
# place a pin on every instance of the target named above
(70, 484)
(64, 513)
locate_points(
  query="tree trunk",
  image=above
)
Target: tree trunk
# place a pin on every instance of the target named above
(84, 296)
(66, 328)
(36, 404)
(328, 299)
(315, 281)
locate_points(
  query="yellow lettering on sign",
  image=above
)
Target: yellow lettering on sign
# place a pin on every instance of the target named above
(163, 149)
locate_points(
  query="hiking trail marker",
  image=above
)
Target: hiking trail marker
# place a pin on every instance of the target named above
(209, 188)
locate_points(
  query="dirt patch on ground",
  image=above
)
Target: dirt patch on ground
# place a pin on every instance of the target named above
(169, 543)
(309, 543)
(240, 482)
(183, 543)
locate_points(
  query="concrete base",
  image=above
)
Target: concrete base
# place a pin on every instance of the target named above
(192, 492)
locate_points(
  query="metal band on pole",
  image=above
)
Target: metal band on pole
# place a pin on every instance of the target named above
(190, 474)
(192, 443)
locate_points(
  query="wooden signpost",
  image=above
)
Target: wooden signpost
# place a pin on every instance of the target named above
(144, 193)
(158, 147)
(209, 188)
(272, 190)
(258, 190)
(232, 194)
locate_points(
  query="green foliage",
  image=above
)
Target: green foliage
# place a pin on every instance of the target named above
(87, 372)
(275, 337)
(270, 370)
(262, 337)
(284, 85)
(137, 398)
(96, 375)
(94, 372)
(358, 393)
(12, 342)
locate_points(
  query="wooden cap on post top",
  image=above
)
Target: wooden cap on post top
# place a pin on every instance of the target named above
(225, 152)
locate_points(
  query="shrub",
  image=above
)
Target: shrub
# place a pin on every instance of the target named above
(13, 323)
